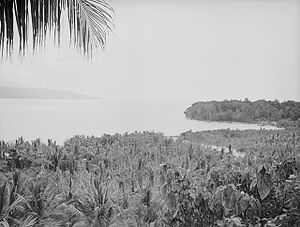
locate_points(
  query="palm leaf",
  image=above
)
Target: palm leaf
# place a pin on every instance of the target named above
(28, 222)
(16, 203)
(93, 22)
(4, 199)
(89, 23)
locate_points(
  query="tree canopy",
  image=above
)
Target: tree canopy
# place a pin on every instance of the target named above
(285, 114)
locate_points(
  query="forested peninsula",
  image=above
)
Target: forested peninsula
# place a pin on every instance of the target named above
(281, 114)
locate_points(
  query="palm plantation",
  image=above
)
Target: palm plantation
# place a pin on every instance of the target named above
(149, 180)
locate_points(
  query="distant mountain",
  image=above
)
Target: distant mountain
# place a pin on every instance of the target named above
(39, 93)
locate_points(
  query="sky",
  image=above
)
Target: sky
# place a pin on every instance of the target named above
(179, 50)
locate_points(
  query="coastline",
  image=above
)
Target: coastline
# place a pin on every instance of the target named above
(258, 123)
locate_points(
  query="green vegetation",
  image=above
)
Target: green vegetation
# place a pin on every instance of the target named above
(282, 114)
(147, 179)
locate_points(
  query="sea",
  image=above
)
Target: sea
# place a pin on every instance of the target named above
(61, 119)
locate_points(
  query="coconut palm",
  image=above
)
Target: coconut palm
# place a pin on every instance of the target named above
(89, 23)
(11, 206)
(96, 205)
(41, 201)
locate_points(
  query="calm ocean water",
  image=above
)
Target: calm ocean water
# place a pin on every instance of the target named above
(61, 119)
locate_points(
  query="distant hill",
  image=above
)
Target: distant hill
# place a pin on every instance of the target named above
(39, 93)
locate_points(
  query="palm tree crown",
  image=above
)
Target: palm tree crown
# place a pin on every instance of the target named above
(89, 23)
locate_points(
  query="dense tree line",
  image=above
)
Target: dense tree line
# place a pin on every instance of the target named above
(282, 114)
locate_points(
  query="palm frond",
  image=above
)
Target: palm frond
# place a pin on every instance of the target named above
(4, 198)
(49, 222)
(28, 222)
(16, 203)
(89, 23)
(70, 209)
(11, 203)
(93, 23)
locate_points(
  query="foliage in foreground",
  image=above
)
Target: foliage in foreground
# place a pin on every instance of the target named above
(88, 22)
(146, 179)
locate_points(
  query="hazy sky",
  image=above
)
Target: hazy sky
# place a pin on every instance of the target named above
(189, 50)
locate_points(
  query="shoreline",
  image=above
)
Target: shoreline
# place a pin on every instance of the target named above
(258, 123)
(174, 137)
